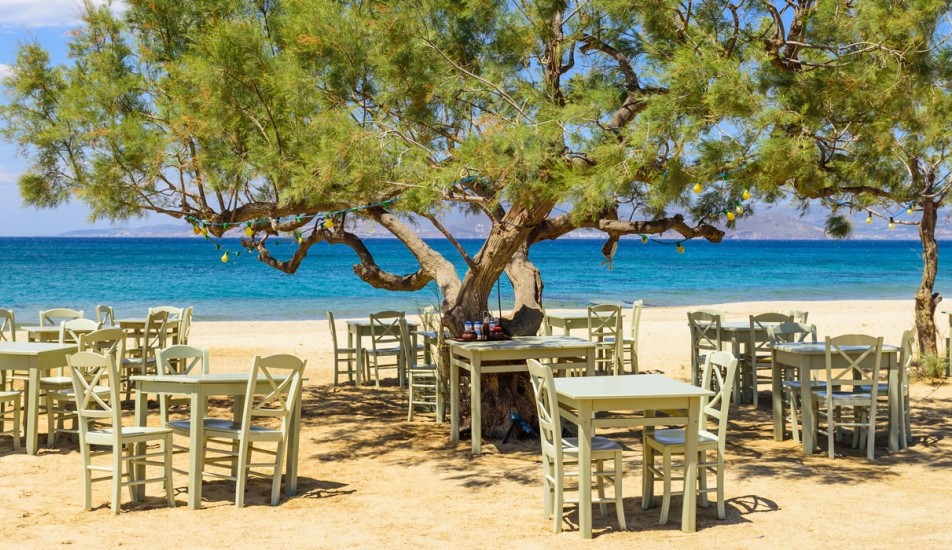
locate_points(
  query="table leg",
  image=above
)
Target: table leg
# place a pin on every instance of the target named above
(590, 362)
(776, 382)
(585, 434)
(689, 510)
(32, 407)
(806, 412)
(196, 452)
(454, 401)
(895, 404)
(353, 331)
(475, 409)
(293, 446)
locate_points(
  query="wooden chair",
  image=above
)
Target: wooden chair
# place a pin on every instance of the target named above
(184, 327)
(8, 333)
(845, 373)
(605, 329)
(786, 333)
(884, 391)
(174, 322)
(282, 379)
(720, 370)
(705, 325)
(630, 344)
(61, 402)
(423, 379)
(386, 341)
(126, 445)
(756, 366)
(799, 316)
(105, 316)
(138, 355)
(10, 413)
(54, 317)
(178, 359)
(345, 357)
(558, 451)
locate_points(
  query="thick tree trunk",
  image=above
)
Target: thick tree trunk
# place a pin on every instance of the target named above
(926, 301)
(502, 394)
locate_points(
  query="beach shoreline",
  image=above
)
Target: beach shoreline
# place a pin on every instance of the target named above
(368, 478)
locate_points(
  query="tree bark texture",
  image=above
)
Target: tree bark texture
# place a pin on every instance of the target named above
(926, 300)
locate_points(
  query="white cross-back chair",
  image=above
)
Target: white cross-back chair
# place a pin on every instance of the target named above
(53, 317)
(793, 333)
(720, 371)
(273, 389)
(105, 316)
(9, 398)
(705, 325)
(386, 345)
(423, 379)
(558, 451)
(757, 360)
(605, 330)
(345, 358)
(852, 361)
(100, 426)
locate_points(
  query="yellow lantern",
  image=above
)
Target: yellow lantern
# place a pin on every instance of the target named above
(869, 218)
(196, 229)
(680, 249)
(224, 258)
(739, 210)
(730, 216)
(249, 231)
(746, 194)
(697, 188)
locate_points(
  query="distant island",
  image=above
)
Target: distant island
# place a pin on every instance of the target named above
(771, 224)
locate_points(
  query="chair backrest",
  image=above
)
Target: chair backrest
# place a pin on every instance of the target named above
(53, 317)
(799, 316)
(175, 313)
(409, 351)
(71, 330)
(105, 315)
(273, 389)
(705, 330)
(182, 359)
(152, 337)
(853, 360)
(90, 372)
(636, 308)
(791, 332)
(8, 330)
(604, 321)
(720, 371)
(185, 325)
(105, 341)
(546, 327)
(758, 343)
(385, 329)
(906, 351)
(547, 409)
(330, 323)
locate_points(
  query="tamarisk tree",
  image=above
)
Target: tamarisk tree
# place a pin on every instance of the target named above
(540, 117)
(858, 103)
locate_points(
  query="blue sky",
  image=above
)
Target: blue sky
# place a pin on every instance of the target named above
(47, 22)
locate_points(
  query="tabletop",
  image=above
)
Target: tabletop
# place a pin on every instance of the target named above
(32, 348)
(818, 348)
(522, 343)
(626, 386)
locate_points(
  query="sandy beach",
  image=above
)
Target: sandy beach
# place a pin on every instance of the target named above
(370, 479)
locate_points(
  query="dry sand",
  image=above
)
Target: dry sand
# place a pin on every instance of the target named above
(368, 478)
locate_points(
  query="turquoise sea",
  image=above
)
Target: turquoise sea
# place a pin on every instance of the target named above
(132, 274)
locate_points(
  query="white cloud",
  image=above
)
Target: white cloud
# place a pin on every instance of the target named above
(5, 70)
(44, 13)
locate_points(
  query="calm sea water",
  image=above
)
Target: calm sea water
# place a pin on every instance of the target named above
(132, 274)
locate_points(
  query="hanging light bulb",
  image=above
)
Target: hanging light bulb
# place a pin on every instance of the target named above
(680, 249)
(869, 218)
(224, 257)
(196, 229)
(746, 194)
(204, 231)
(739, 209)
(329, 223)
(644, 239)
(910, 210)
(730, 216)
(698, 188)
(891, 224)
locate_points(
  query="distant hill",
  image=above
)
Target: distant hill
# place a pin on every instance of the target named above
(767, 224)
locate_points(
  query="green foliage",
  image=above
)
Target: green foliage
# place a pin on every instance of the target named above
(930, 367)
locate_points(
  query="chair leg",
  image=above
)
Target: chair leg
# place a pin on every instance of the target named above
(666, 498)
(558, 502)
(600, 486)
(87, 480)
(721, 512)
(169, 490)
(276, 477)
(410, 397)
(16, 424)
(701, 480)
(619, 497)
(116, 478)
(794, 417)
(871, 435)
(241, 473)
